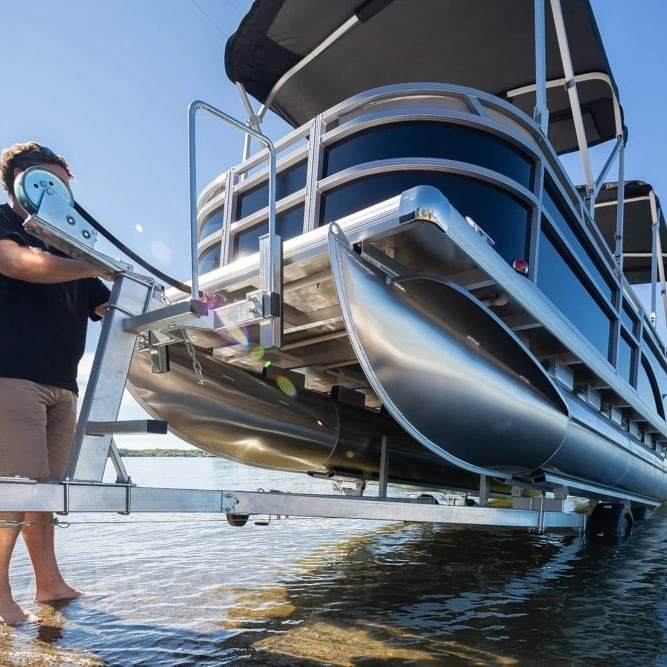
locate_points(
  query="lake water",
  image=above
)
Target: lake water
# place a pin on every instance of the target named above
(192, 590)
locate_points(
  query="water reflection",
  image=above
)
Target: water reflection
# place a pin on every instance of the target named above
(412, 593)
(434, 595)
(323, 592)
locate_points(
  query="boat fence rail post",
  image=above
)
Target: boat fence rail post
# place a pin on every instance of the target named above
(66, 504)
(128, 499)
(384, 468)
(540, 516)
(483, 490)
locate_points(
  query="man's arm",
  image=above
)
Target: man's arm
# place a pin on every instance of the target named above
(36, 266)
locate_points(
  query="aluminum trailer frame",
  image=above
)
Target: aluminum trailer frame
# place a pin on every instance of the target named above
(19, 495)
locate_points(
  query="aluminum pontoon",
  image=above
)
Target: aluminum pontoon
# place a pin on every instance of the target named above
(408, 287)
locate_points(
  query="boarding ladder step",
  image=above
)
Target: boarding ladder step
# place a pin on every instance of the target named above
(132, 426)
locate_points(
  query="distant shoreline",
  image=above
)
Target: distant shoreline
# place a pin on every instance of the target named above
(164, 452)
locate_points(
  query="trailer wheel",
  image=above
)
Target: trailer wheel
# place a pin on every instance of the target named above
(237, 520)
(610, 520)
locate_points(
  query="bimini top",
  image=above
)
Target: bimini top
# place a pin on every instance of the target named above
(641, 212)
(301, 57)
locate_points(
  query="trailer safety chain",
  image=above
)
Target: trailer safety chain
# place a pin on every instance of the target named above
(193, 355)
(107, 522)
(8, 523)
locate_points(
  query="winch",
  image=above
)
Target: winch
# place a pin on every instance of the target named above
(54, 219)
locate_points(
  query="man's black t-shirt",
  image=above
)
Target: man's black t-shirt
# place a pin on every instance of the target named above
(43, 327)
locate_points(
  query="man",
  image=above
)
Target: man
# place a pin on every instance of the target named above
(46, 299)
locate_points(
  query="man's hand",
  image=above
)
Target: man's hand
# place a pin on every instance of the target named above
(102, 309)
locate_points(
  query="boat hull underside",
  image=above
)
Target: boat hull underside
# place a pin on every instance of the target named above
(463, 397)
(244, 417)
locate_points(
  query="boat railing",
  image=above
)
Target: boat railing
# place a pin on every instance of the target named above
(286, 148)
(392, 104)
(427, 102)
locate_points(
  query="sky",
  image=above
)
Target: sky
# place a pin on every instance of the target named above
(107, 83)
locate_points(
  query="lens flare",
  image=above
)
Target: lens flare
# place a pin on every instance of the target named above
(286, 386)
(161, 251)
(257, 353)
(235, 335)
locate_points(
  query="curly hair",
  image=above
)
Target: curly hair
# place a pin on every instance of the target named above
(22, 156)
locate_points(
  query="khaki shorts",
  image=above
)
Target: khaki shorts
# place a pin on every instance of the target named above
(37, 425)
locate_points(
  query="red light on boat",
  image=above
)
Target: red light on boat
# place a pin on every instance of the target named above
(520, 266)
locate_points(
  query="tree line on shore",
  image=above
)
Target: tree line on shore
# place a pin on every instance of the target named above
(163, 452)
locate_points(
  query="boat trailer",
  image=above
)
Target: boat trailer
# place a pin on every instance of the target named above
(139, 317)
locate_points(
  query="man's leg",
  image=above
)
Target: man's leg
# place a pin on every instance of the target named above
(22, 453)
(38, 533)
(10, 612)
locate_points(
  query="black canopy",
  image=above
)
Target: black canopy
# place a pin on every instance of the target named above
(484, 44)
(637, 226)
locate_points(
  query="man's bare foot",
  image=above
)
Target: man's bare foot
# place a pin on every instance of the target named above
(57, 594)
(12, 614)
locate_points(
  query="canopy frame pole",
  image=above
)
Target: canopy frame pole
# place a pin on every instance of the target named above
(620, 209)
(571, 88)
(615, 153)
(541, 111)
(657, 262)
(254, 121)
(322, 46)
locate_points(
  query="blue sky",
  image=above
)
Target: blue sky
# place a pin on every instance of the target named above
(107, 83)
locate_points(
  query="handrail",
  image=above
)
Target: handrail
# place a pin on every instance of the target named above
(192, 168)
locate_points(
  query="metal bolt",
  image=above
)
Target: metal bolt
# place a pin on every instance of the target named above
(70, 219)
(86, 234)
